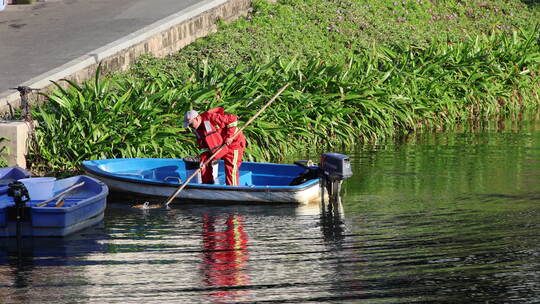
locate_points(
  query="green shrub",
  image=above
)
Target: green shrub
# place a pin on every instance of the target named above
(3, 151)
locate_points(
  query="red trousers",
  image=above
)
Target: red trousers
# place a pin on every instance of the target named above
(232, 159)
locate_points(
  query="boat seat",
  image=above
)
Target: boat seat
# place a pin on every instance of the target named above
(165, 173)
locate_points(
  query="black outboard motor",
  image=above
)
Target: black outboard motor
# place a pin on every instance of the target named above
(20, 195)
(334, 168)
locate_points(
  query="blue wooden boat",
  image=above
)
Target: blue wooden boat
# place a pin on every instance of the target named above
(82, 206)
(259, 182)
(9, 175)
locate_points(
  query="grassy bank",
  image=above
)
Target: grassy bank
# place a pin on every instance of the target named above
(336, 30)
(349, 81)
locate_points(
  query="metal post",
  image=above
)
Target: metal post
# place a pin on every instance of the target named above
(24, 91)
(26, 115)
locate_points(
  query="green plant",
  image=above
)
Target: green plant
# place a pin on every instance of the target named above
(3, 151)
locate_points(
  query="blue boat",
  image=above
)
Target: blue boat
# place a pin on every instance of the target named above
(9, 175)
(77, 202)
(259, 182)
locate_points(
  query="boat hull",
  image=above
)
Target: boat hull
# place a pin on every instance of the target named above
(31, 230)
(83, 208)
(311, 194)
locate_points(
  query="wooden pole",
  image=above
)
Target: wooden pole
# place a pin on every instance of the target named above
(61, 194)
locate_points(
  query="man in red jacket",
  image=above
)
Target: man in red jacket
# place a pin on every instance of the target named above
(214, 129)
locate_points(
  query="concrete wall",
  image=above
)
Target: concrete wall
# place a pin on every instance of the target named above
(161, 38)
(16, 133)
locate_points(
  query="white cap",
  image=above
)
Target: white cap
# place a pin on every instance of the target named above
(189, 116)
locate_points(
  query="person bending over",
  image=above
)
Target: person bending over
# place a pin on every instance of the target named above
(214, 129)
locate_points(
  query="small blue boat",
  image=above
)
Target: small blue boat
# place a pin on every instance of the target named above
(259, 182)
(9, 175)
(77, 202)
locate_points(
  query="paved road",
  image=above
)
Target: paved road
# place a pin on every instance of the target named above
(37, 38)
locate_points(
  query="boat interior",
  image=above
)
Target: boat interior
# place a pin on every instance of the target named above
(177, 171)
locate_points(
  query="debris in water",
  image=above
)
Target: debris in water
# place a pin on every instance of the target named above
(147, 206)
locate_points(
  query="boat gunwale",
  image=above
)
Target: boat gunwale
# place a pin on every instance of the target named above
(104, 191)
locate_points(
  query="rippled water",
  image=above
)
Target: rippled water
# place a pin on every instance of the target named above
(448, 217)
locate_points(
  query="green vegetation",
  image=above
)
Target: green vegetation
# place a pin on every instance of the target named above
(336, 30)
(3, 151)
(349, 82)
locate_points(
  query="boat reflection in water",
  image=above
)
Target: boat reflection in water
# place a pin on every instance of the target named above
(225, 256)
(32, 270)
(225, 267)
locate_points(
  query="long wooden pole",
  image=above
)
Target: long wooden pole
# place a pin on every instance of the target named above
(175, 194)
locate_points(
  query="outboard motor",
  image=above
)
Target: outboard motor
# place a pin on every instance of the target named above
(334, 168)
(20, 195)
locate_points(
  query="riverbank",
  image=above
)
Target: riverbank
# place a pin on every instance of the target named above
(344, 86)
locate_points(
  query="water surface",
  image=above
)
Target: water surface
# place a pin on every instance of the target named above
(447, 217)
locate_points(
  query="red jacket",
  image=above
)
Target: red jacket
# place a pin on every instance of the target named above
(216, 126)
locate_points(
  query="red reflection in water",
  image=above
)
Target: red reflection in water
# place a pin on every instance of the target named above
(225, 255)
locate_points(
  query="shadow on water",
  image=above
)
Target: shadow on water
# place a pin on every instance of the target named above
(332, 224)
(225, 254)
